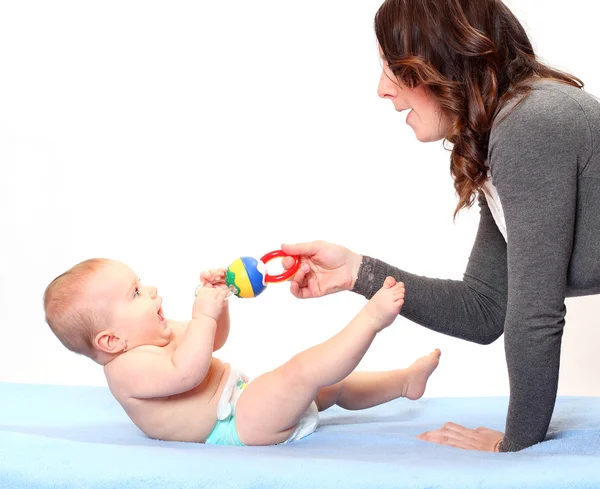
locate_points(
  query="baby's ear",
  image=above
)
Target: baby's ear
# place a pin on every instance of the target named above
(107, 342)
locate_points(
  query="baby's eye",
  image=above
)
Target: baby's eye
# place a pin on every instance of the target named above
(136, 292)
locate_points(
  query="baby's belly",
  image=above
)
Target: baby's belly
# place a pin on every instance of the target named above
(188, 417)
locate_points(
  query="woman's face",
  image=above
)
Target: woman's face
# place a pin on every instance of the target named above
(425, 117)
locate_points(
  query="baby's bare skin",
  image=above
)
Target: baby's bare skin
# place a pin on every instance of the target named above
(164, 374)
(189, 416)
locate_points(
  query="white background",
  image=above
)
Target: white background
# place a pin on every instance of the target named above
(177, 136)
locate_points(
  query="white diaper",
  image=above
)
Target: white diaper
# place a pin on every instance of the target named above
(307, 424)
(235, 385)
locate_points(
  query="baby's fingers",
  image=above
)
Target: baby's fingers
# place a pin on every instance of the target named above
(218, 275)
(205, 277)
(223, 294)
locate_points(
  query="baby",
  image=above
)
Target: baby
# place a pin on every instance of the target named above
(164, 374)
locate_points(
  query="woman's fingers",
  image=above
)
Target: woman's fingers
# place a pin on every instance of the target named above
(288, 262)
(297, 283)
(302, 249)
(458, 436)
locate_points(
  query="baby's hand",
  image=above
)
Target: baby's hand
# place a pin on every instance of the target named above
(209, 302)
(214, 278)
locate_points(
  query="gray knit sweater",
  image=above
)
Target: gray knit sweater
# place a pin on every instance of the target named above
(544, 159)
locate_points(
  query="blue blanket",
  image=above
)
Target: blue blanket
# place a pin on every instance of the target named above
(78, 437)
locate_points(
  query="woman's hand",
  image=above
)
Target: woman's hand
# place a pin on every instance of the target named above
(325, 268)
(458, 436)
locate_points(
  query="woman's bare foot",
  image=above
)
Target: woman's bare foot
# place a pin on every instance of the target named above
(418, 374)
(385, 305)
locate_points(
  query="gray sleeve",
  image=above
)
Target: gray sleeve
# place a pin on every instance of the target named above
(471, 309)
(534, 156)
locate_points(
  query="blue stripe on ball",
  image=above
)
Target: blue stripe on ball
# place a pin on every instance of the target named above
(257, 280)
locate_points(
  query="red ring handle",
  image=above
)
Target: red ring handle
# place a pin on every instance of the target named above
(282, 276)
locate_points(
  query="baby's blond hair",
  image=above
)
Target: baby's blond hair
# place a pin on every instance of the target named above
(74, 322)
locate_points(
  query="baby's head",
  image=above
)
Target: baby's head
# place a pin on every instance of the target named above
(100, 309)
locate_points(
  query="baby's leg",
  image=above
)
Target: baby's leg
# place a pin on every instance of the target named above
(362, 390)
(271, 405)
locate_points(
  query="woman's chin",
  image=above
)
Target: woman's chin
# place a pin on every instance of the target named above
(427, 138)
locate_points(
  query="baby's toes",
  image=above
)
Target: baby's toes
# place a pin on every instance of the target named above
(389, 282)
(398, 288)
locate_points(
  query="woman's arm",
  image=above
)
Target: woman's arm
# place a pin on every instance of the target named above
(472, 309)
(534, 157)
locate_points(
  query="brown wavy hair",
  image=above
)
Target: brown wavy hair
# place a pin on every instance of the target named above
(473, 56)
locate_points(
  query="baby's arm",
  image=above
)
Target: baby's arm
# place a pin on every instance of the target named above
(216, 278)
(222, 332)
(150, 373)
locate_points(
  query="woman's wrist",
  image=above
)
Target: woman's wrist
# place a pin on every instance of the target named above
(355, 269)
(497, 446)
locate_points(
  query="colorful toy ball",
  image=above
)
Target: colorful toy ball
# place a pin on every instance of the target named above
(247, 277)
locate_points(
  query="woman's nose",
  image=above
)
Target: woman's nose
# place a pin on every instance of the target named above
(384, 88)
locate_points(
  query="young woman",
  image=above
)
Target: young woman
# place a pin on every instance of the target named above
(526, 147)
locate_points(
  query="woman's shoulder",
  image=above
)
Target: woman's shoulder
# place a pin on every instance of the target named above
(550, 109)
(541, 87)
(549, 101)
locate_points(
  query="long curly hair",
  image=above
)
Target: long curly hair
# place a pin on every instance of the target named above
(472, 56)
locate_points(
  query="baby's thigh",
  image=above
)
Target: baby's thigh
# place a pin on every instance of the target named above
(267, 411)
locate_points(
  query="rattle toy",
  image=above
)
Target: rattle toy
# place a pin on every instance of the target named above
(247, 277)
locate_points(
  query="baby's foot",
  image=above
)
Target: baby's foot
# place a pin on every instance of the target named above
(418, 374)
(385, 305)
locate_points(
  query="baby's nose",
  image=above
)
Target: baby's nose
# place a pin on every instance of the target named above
(153, 292)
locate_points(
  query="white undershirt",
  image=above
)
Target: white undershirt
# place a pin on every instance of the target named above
(493, 200)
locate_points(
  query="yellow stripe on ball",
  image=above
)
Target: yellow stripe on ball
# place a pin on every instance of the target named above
(242, 282)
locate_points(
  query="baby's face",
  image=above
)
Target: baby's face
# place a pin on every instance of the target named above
(135, 310)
